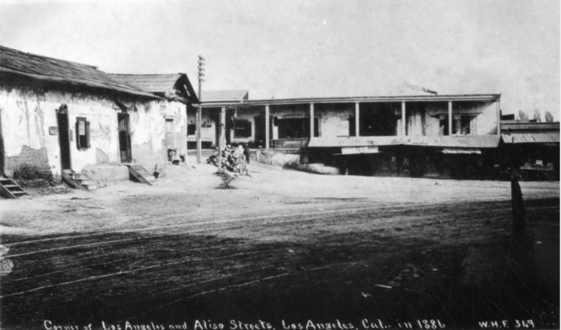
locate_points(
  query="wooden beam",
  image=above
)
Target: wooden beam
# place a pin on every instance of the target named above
(221, 128)
(267, 128)
(311, 120)
(498, 117)
(357, 119)
(449, 117)
(403, 120)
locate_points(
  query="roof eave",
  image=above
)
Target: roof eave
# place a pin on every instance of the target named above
(74, 82)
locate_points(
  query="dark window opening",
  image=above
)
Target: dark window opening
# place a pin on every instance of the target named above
(293, 127)
(82, 133)
(462, 125)
(317, 132)
(242, 128)
(170, 138)
(443, 125)
(191, 129)
(352, 126)
(379, 119)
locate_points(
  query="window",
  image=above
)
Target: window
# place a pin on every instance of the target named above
(242, 128)
(82, 133)
(462, 125)
(170, 143)
(443, 124)
(191, 129)
(293, 128)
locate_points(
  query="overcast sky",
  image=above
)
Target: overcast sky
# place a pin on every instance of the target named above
(323, 48)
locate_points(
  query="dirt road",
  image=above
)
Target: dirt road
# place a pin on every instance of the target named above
(284, 248)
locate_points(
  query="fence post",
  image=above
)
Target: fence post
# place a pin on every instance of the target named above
(518, 208)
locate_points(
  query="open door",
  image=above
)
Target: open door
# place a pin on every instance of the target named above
(64, 137)
(124, 137)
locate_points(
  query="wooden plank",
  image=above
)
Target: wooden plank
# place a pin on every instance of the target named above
(6, 193)
(139, 173)
(67, 177)
(10, 188)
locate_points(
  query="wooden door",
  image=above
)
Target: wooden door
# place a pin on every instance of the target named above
(124, 137)
(64, 137)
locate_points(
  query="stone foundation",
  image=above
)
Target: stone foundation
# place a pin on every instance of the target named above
(278, 158)
(36, 158)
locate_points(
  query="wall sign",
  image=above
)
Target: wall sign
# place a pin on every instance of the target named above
(53, 130)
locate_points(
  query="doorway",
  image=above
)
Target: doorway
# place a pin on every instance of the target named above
(64, 137)
(124, 137)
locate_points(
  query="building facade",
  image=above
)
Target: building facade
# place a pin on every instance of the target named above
(417, 135)
(57, 115)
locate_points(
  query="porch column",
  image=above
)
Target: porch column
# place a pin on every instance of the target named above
(222, 127)
(311, 120)
(498, 117)
(357, 119)
(449, 117)
(198, 120)
(221, 122)
(403, 120)
(267, 129)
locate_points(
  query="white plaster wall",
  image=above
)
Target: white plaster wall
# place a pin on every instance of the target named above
(208, 133)
(486, 121)
(485, 117)
(23, 120)
(414, 122)
(249, 115)
(148, 132)
(27, 116)
(334, 122)
(103, 132)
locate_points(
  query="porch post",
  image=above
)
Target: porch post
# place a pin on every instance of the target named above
(267, 120)
(449, 117)
(357, 119)
(221, 127)
(198, 120)
(403, 120)
(498, 116)
(311, 120)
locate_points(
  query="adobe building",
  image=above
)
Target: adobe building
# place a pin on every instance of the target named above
(418, 135)
(58, 115)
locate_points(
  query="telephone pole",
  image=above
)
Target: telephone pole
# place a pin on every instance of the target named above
(199, 117)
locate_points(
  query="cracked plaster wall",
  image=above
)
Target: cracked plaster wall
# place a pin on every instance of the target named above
(28, 114)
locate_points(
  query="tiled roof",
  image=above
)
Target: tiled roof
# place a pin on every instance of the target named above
(154, 83)
(160, 84)
(224, 96)
(531, 138)
(54, 70)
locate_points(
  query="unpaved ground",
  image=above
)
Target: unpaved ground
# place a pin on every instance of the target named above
(283, 245)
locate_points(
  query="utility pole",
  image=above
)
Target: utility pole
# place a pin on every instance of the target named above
(199, 118)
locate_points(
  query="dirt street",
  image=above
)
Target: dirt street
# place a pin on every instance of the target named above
(283, 250)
